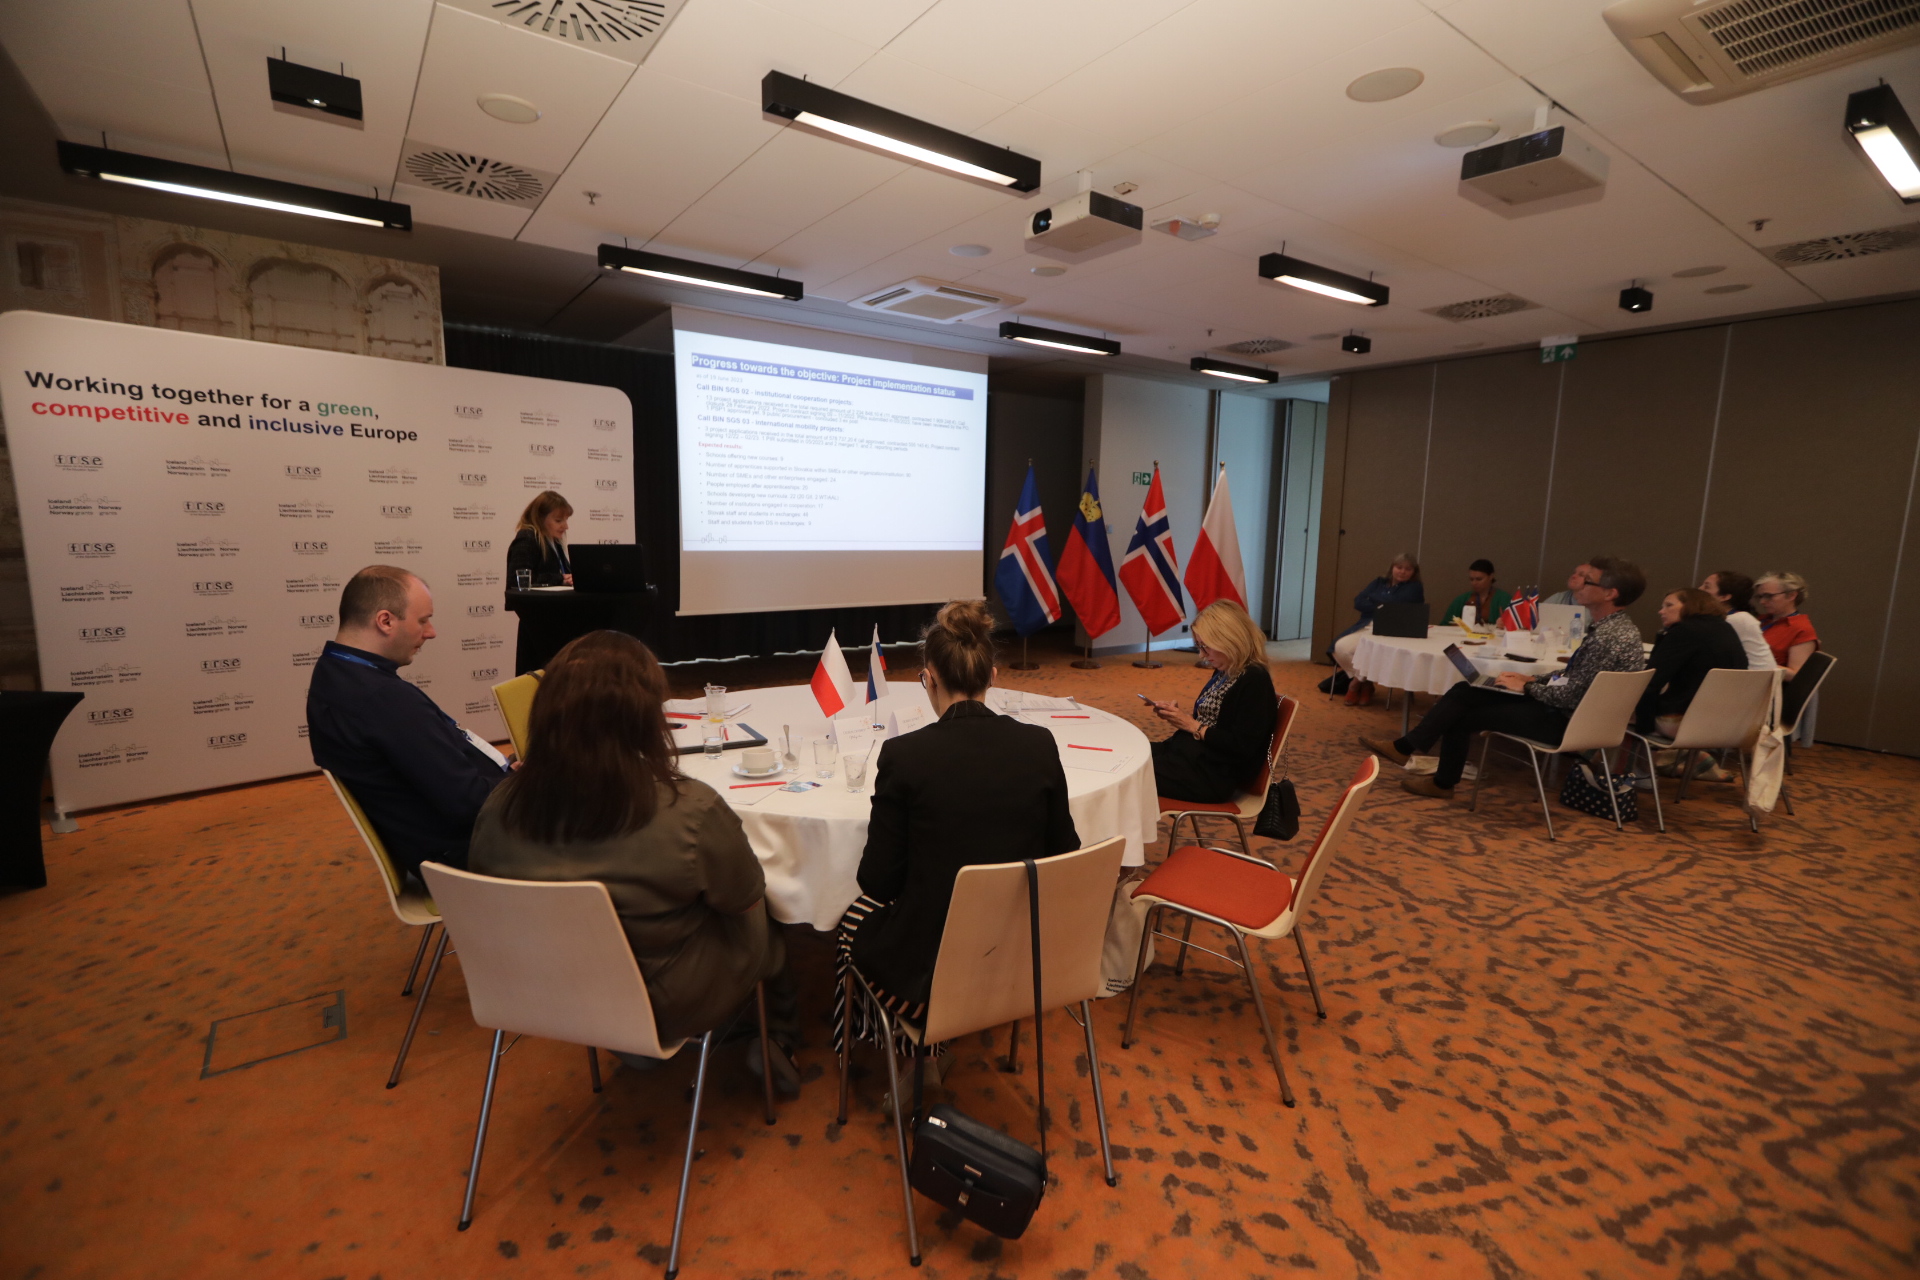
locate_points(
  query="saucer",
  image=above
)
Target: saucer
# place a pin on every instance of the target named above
(741, 769)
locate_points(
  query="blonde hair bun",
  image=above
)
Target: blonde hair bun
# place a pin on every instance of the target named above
(969, 620)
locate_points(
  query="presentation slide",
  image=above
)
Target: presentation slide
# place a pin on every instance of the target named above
(812, 479)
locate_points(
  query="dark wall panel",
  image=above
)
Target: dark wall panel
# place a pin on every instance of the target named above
(1046, 432)
(1487, 471)
(1811, 476)
(1895, 722)
(1386, 442)
(1636, 426)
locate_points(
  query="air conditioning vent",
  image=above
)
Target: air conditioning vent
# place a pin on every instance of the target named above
(1257, 347)
(1504, 304)
(462, 173)
(935, 300)
(624, 29)
(1706, 52)
(1856, 244)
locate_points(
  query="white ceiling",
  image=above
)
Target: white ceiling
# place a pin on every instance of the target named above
(1234, 107)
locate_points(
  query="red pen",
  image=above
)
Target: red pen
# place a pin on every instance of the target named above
(682, 715)
(725, 735)
(1073, 717)
(1077, 747)
(741, 786)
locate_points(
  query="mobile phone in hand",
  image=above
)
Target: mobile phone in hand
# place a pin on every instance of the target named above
(1144, 698)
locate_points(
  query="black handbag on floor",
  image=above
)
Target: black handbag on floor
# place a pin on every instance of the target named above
(1585, 792)
(993, 1180)
(1280, 816)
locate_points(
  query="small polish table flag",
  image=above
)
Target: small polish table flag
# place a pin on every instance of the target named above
(1214, 571)
(831, 679)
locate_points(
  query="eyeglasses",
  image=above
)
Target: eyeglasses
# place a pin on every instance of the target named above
(1767, 595)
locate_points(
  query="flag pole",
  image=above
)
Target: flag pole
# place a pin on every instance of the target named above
(1023, 664)
(1087, 663)
(1146, 654)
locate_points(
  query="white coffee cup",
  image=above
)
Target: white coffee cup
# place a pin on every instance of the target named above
(757, 759)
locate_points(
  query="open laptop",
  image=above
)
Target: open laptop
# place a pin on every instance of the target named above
(1471, 674)
(1401, 621)
(612, 567)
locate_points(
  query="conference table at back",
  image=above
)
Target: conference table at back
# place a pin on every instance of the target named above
(1421, 665)
(809, 844)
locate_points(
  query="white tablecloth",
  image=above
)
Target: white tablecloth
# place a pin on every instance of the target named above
(810, 844)
(1422, 666)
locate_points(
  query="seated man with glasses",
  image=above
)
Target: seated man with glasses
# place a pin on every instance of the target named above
(420, 777)
(1545, 703)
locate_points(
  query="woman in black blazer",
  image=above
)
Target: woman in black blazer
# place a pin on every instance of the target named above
(539, 542)
(1695, 638)
(972, 787)
(1215, 751)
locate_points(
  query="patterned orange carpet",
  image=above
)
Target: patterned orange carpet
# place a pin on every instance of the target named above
(1690, 1055)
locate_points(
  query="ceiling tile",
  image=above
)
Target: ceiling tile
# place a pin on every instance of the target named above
(1015, 48)
(442, 209)
(1527, 35)
(730, 45)
(871, 22)
(890, 81)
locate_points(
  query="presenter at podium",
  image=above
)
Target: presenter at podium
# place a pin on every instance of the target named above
(539, 543)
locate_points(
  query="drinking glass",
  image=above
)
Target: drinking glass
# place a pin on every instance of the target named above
(714, 741)
(823, 755)
(522, 579)
(857, 769)
(716, 703)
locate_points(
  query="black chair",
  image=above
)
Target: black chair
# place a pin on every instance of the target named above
(28, 722)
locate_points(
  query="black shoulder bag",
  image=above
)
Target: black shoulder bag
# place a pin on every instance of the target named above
(1280, 816)
(993, 1180)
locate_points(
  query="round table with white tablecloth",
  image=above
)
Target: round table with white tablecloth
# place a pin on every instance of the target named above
(810, 844)
(1421, 666)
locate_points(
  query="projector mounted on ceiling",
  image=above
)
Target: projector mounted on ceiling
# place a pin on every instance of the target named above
(1085, 221)
(1537, 166)
(935, 300)
(1710, 50)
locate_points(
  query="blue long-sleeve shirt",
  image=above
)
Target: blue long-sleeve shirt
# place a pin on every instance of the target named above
(409, 765)
(1384, 590)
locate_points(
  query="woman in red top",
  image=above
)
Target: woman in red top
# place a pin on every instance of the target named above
(1788, 632)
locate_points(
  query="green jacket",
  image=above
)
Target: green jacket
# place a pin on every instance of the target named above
(1500, 601)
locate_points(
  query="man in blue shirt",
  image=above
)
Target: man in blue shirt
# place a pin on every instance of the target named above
(420, 777)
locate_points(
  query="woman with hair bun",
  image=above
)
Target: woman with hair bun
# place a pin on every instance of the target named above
(972, 787)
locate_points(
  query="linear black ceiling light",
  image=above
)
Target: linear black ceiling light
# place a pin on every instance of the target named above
(702, 274)
(1281, 269)
(1226, 369)
(1881, 126)
(1034, 335)
(804, 102)
(233, 188)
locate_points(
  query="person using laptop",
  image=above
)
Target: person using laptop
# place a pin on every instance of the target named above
(1488, 601)
(540, 542)
(1544, 703)
(420, 777)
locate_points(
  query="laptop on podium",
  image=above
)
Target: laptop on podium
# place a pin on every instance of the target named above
(608, 567)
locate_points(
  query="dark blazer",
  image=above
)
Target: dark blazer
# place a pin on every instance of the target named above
(1384, 590)
(1214, 768)
(548, 568)
(1682, 656)
(403, 758)
(971, 787)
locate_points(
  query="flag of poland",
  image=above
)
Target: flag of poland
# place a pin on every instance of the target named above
(831, 679)
(1214, 571)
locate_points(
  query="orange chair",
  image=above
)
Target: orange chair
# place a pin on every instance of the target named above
(1248, 897)
(1244, 807)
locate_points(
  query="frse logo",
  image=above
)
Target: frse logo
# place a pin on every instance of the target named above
(223, 741)
(90, 550)
(110, 715)
(606, 484)
(194, 507)
(102, 635)
(477, 544)
(397, 513)
(216, 588)
(316, 620)
(486, 673)
(309, 548)
(473, 479)
(539, 450)
(479, 611)
(78, 461)
(298, 472)
(468, 411)
(219, 666)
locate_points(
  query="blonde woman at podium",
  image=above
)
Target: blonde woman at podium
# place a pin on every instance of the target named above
(539, 543)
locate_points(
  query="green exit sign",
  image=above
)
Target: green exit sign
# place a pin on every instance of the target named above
(1555, 349)
(1143, 478)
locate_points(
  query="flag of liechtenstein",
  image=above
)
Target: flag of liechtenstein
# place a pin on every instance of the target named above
(1086, 566)
(1025, 581)
(1149, 570)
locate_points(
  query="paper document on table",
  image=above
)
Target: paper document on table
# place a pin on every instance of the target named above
(1093, 761)
(751, 795)
(1002, 700)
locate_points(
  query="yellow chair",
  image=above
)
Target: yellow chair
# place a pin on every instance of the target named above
(515, 700)
(411, 905)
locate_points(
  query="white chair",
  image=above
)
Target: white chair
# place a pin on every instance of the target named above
(1599, 724)
(413, 907)
(1726, 714)
(1249, 897)
(983, 977)
(1244, 807)
(550, 959)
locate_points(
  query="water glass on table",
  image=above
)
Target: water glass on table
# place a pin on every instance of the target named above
(523, 579)
(823, 755)
(716, 703)
(714, 741)
(857, 769)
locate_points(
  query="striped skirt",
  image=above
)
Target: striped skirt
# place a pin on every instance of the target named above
(859, 1019)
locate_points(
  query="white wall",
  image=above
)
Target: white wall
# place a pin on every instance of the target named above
(1246, 445)
(1130, 423)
